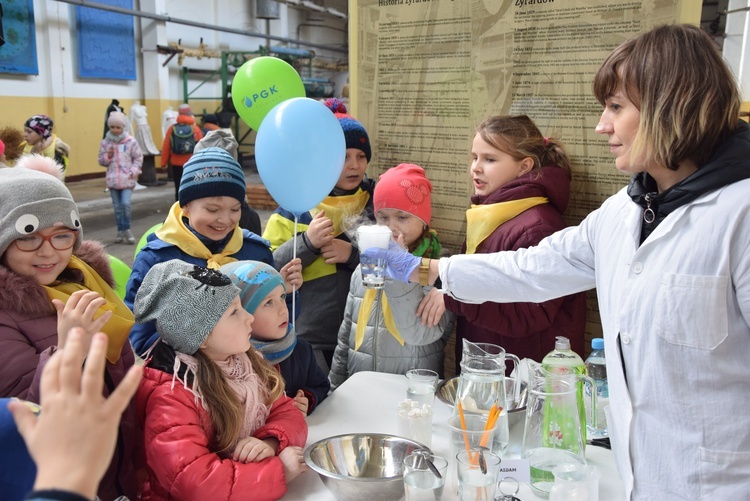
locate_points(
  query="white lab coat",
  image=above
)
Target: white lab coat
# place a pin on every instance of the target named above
(675, 311)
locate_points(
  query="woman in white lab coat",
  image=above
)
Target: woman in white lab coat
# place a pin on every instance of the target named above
(670, 258)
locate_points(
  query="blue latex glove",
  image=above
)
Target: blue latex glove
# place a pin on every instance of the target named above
(400, 263)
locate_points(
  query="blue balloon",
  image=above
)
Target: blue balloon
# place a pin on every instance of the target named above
(300, 151)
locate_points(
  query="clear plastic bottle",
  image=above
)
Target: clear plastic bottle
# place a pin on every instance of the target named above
(563, 360)
(597, 369)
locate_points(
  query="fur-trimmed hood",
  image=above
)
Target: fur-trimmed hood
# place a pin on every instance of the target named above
(24, 295)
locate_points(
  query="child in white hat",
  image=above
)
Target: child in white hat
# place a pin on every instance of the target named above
(123, 158)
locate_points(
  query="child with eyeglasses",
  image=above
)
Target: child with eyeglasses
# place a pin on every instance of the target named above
(50, 282)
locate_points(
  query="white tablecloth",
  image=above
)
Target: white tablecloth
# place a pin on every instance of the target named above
(366, 403)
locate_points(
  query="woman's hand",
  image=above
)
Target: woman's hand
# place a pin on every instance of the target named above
(320, 230)
(400, 263)
(252, 450)
(293, 460)
(431, 308)
(79, 311)
(292, 274)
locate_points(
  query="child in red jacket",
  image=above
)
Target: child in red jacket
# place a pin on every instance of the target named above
(216, 421)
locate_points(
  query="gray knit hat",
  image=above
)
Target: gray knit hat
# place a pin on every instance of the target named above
(219, 139)
(31, 201)
(255, 279)
(185, 300)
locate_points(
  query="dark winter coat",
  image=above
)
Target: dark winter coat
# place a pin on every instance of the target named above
(527, 330)
(301, 372)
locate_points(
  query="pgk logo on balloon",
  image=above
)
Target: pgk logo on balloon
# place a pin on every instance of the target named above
(264, 94)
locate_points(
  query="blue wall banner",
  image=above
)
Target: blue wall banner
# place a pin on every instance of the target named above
(18, 54)
(106, 42)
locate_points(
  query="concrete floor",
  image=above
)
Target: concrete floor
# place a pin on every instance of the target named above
(149, 207)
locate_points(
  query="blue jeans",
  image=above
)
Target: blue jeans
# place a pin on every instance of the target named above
(121, 201)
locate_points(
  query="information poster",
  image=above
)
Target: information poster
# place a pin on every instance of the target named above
(426, 72)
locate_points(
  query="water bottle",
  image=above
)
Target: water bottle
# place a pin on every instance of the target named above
(564, 361)
(597, 369)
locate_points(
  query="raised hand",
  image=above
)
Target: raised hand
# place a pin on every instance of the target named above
(292, 274)
(74, 437)
(79, 311)
(320, 230)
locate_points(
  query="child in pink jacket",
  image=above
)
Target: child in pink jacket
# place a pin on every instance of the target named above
(123, 158)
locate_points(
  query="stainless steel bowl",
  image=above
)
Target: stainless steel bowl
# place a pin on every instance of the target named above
(359, 467)
(446, 392)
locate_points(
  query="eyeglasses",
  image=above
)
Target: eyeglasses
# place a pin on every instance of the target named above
(59, 241)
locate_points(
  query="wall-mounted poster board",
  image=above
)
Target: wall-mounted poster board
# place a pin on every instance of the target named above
(106, 42)
(424, 73)
(18, 53)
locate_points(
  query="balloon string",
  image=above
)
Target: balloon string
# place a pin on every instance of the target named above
(294, 287)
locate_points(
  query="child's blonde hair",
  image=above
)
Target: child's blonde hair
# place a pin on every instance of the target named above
(222, 403)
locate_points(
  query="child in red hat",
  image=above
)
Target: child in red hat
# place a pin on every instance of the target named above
(402, 201)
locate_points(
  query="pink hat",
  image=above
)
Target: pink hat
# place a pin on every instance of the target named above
(405, 188)
(184, 109)
(2, 147)
(117, 118)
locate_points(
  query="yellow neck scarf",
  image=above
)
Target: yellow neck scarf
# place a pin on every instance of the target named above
(343, 211)
(174, 231)
(364, 312)
(118, 327)
(482, 220)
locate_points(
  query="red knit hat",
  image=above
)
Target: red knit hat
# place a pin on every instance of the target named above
(405, 188)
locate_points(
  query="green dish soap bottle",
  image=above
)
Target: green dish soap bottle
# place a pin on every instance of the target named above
(562, 360)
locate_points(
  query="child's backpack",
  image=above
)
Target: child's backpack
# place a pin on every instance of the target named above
(183, 139)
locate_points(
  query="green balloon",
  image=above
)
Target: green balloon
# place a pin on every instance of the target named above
(143, 239)
(121, 273)
(262, 83)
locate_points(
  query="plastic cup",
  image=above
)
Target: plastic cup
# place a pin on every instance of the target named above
(421, 385)
(575, 482)
(476, 482)
(373, 269)
(415, 421)
(420, 482)
(474, 435)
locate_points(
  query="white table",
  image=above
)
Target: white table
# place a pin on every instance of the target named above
(366, 403)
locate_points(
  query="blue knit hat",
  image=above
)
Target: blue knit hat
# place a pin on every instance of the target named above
(354, 133)
(255, 279)
(211, 173)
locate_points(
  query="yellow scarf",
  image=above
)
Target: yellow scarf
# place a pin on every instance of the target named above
(364, 312)
(482, 220)
(343, 212)
(118, 327)
(174, 231)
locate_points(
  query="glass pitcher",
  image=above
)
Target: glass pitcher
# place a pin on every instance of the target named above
(552, 435)
(482, 384)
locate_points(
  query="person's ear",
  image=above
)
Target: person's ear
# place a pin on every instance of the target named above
(526, 165)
